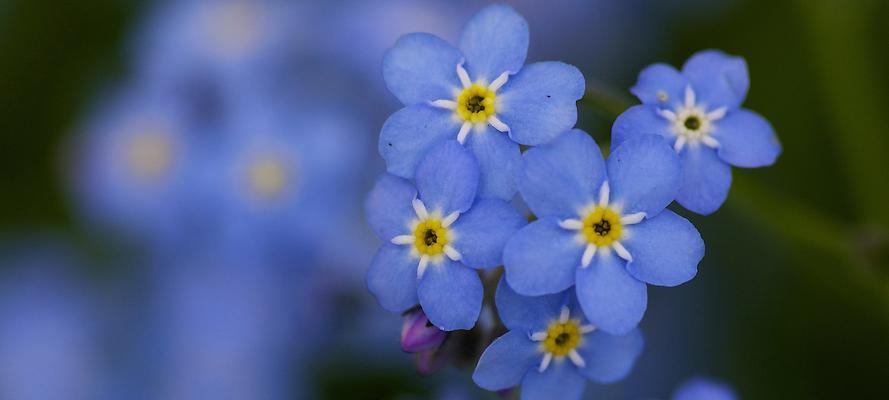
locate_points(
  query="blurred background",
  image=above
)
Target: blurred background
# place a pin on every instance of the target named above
(182, 184)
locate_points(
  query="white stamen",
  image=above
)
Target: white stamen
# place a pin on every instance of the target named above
(576, 358)
(631, 219)
(545, 362)
(452, 253)
(564, 315)
(667, 114)
(464, 76)
(621, 251)
(571, 224)
(680, 143)
(420, 209)
(499, 81)
(464, 132)
(447, 104)
(403, 239)
(539, 336)
(710, 142)
(447, 221)
(689, 97)
(498, 124)
(604, 194)
(421, 267)
(716, 114)
(584, 329)
(588, 254)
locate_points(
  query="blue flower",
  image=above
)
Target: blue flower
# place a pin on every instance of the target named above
(602, 226)
(436, 234)
(698, 112)
(704, 389)
(479, 94)
(550, 348)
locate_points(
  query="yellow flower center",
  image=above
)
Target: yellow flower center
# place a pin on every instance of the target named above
(561, 338)
(602, 226)
(476, 103)
(430, 237)
(268, 177)
(149, 155)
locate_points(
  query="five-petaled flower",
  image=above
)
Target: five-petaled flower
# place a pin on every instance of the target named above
(602, 226)
(437, 233)
(550, 348)
(479, 95)
(698, 112)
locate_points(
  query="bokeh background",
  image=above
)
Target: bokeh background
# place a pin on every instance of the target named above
(182, 184)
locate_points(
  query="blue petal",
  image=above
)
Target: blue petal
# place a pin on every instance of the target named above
(410, 132)
(559, 178)
(746, 139)
(540, 102)
(638, 121)
(388, 207)
(663, 79)
(524, 313)
(703, 389)
(666, 250)
(451, 295)
(719, 80)
(392, 277)
(612, 300)
(541, 258)
(609, 358)
(560, 381)
(421, 67)
(482, 232)
(447, 178)
(644, 174)
(495, 41)
(505, 361)
(499, 158)
(705, 180)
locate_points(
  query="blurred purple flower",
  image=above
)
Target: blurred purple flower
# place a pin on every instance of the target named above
(418, 334)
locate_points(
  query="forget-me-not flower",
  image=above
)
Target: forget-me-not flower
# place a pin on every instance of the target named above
(602, 226)
(698, 111)
(551, 349)
(704, 389)
(478, 94)
(436, 235)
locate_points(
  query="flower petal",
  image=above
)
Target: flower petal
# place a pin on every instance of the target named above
(410, 132)
(559, 178)
(540, 102)
(505, 361)
(609, 358)
(421, 67)
(703, 389)
(392, 277)
(644, 174)
(447, 178)
(560, 381)
(746, 139)
(666, 250)
(451, 295)
(661, 85)
(483, 231)
(637, 121)
(541, 258)
(388, 206)
(524, 313)
(499, 159)
(705, 180)
(719, 80)
(612, 300)
(495, 41)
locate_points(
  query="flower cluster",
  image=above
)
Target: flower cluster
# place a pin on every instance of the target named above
(477, 127)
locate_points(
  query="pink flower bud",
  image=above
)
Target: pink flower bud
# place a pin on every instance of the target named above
(418, 334)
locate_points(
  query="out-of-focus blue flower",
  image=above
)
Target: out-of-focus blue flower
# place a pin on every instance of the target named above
(698, 111)
(551, 349)
(435, 236)
(480, 95)
(49, 343)
(704, 389)
(602, 226)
